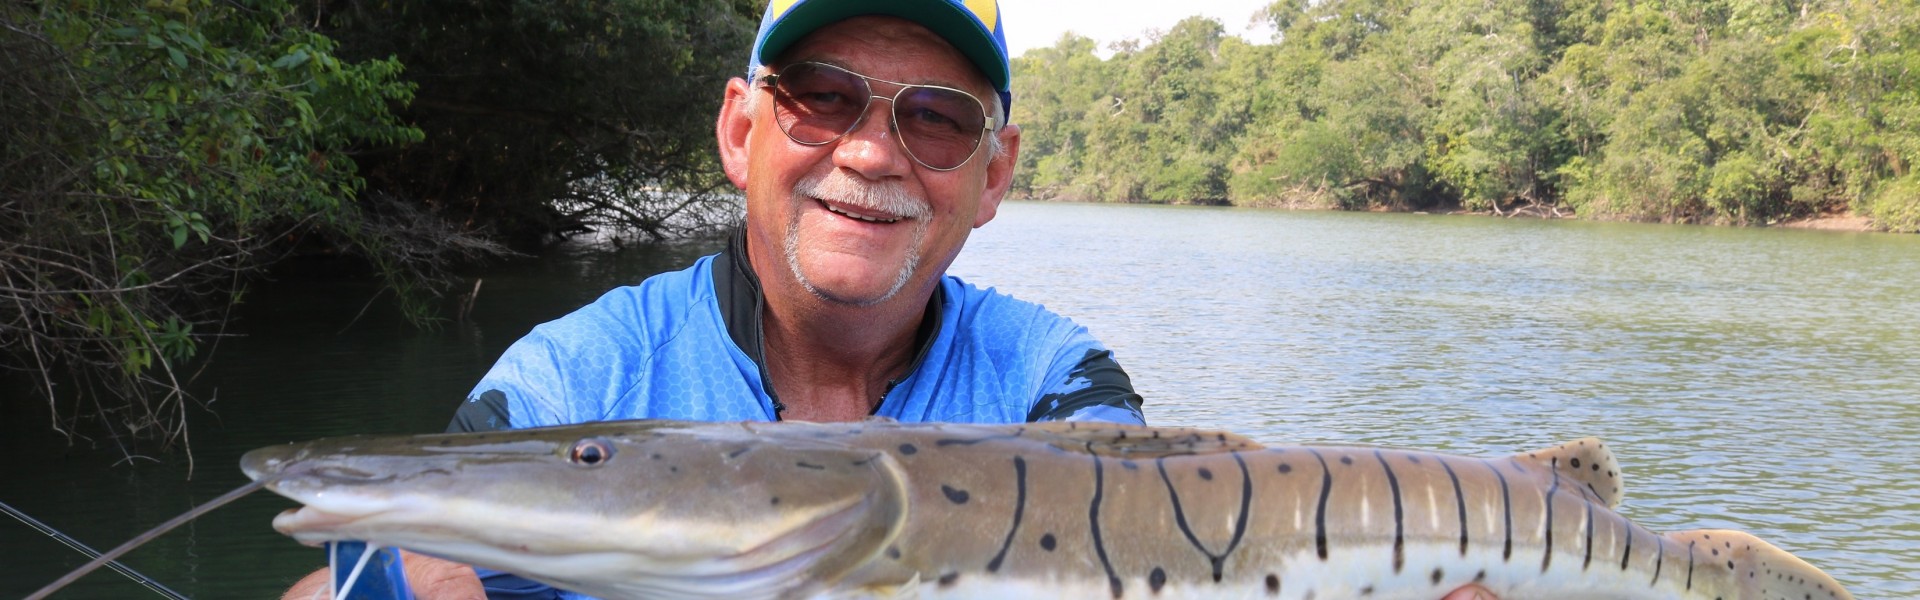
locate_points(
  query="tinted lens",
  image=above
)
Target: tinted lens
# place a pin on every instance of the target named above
(818, 103)
(941, 127)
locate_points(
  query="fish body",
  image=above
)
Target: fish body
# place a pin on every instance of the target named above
(664, 509)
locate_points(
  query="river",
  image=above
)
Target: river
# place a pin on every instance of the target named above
(1758, 379)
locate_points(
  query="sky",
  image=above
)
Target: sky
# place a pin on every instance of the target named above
(1039, 23)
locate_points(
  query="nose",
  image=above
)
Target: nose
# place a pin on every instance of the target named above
(873, 148)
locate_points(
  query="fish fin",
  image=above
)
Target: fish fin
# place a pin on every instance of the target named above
(1585, 460)
(1136, 441)
(1762, 570)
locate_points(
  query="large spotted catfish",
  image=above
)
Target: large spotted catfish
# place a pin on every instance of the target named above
(661, 509)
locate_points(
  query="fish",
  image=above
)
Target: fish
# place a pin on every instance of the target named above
(881, 509)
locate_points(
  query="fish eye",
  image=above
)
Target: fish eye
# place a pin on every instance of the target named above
(591, 452)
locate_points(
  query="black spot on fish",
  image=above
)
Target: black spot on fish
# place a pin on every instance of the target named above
(776, 501)
(1481, 576)
(954, 495)
(737, 453)
(1047, 542)
(947, 580)
(1157, 579)
(1273, 584)
(893, 552)
(1366, 591)
(1346, 460)
(1575, 462)
(908, 449)
(807, 465)
(656, 456)
(1285, 468)
(673, 469)
(1130, 465)
(1438, 575)
(1206, 474)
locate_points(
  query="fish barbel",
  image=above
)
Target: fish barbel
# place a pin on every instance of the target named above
(667, 509)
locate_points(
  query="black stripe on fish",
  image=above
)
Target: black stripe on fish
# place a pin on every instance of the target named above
(1093, 519)
(1690, 566)
(1180, 514)
(1659, 557)
(1589, 561)
(1546, 560)
(1625, 554)
(1399, 517)
(1459, 500)
(1019, 510)
(1320, 512)
(1506, 508)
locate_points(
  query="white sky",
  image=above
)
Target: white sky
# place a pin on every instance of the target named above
(1039, 23)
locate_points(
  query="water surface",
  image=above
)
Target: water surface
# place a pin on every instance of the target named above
(1765, 380)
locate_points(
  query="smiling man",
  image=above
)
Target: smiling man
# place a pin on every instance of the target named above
(870, 137)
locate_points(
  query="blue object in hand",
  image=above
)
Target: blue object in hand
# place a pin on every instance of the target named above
(382, 578)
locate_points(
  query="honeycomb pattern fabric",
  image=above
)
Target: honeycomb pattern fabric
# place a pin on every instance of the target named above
(661, 350)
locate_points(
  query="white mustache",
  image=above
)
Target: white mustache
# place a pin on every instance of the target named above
(887, 196)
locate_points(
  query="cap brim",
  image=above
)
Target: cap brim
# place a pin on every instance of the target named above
(945, 19)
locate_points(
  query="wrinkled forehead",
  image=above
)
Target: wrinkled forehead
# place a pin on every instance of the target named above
(888, 48)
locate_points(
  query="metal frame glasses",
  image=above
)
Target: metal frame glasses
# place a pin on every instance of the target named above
(816, 104)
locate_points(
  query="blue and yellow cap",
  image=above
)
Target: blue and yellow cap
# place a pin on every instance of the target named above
(972, 26)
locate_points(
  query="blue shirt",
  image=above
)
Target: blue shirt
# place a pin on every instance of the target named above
(688, 345)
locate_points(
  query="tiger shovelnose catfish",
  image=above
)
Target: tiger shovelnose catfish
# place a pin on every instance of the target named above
(662, 509)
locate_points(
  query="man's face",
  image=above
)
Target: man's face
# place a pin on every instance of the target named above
(858, 221)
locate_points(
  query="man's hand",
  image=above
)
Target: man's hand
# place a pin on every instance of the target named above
(1471, 592)
(430, 578)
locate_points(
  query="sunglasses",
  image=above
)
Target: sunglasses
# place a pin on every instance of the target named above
(817, 104)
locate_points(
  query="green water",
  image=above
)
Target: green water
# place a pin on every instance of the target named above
(1763, 380)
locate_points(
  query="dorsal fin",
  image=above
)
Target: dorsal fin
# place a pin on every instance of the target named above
(1136, 441)
(1585, 460)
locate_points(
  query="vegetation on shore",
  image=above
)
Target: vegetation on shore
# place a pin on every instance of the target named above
(156, 156)
(1700, 111)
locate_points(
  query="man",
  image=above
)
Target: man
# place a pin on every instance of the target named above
(871, 137)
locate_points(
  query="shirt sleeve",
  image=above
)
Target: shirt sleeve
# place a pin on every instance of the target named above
(1087, 384)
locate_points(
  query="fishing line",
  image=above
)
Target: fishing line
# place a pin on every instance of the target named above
(91, 553)
(359, 566)
(143, 538)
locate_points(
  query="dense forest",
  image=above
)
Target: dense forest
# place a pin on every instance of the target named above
(1745, 112)
(158, 156)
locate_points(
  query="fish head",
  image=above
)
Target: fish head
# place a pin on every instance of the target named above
(622, 509)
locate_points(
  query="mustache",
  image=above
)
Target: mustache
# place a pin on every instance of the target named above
(888, 196)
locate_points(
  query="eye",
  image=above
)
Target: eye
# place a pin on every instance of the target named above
(591, 452)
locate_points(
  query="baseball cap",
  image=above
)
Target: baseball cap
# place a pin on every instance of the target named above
(972, 26)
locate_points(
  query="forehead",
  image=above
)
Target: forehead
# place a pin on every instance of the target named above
(888, 48)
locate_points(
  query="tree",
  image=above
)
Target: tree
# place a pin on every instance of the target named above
(152, 157)
(546, 118)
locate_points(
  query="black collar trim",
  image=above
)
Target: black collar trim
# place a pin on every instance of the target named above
(742, 303)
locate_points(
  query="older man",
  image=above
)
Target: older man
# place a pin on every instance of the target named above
(870, 138)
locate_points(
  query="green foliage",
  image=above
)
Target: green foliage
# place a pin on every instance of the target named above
(1711, 111)
(154, 153)
(548, 117)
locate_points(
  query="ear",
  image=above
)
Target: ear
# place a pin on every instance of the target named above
(732, 129)
(999, 174)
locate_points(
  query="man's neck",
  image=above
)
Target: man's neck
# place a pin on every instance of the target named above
(830, 361)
